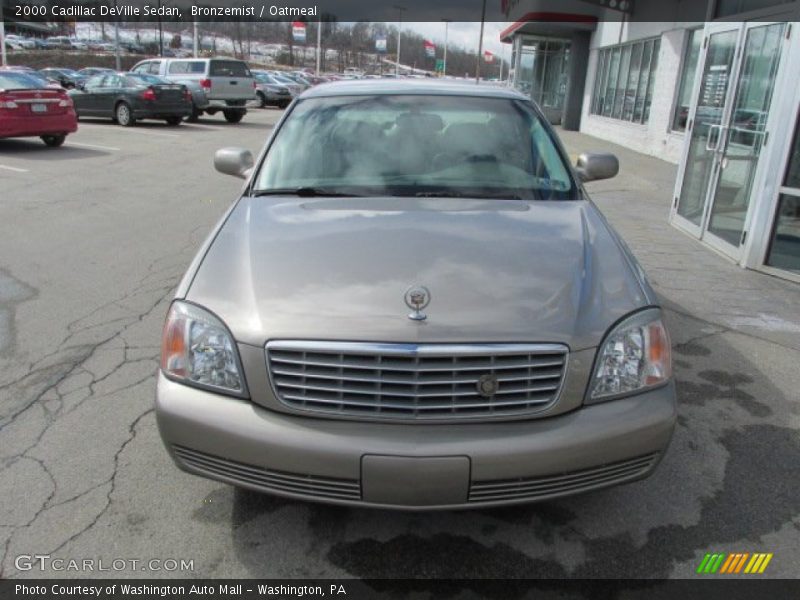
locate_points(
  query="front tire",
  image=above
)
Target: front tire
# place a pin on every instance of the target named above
(233, 116)
(262, 100)
(54, 141)
(174, 121)
(123, 115)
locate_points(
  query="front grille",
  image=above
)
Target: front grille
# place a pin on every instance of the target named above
(410, 381)
(561, 484)
(267, 479)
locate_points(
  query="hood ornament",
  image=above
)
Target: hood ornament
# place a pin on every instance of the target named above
(417, 297)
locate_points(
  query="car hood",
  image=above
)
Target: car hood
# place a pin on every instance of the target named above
(497, 271)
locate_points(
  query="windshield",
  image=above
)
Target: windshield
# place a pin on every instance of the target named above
(19, 81)
(262, 77)
(416, 145)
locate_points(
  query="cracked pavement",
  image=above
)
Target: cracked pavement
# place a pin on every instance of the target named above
(94, 242)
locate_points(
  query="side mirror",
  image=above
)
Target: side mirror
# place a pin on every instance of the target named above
(593, 166)
(234, 161)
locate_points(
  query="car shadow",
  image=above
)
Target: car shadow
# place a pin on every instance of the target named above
(732, 452)
(35, 149)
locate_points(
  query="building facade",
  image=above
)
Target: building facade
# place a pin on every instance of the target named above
(710, 85)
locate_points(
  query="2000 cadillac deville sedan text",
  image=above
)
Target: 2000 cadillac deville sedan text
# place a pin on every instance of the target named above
(415, 305)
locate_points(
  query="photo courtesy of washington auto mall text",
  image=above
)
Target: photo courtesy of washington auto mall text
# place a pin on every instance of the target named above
(400, 299)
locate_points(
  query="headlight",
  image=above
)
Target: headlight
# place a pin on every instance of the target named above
(197, 349)
(635, 355)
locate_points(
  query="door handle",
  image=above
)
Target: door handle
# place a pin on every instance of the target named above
(709, 147)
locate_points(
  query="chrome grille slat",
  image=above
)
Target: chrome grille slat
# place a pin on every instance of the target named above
(549, 485)
(408, 381)
(307, 485)
(281, 383)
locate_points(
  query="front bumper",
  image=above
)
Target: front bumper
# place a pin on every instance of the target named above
(414, 466)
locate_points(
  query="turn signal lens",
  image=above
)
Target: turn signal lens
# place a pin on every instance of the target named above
(635, 355)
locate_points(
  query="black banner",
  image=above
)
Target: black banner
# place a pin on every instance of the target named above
(571, 11)
(352, 589)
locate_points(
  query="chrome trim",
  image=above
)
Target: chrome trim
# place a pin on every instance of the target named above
(387, 385)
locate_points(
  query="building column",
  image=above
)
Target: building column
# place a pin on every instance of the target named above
(576, 82)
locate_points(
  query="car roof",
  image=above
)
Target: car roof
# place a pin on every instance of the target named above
(425, 87)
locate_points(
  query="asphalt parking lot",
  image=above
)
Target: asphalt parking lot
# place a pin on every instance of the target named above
(94, 236)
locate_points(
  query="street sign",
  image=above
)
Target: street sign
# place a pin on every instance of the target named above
(430, 48)
(380, 45)
(439, 65)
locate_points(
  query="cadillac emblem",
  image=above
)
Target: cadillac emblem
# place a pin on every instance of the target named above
(417, 298)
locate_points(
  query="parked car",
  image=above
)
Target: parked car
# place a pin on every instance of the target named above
(269, 92)
(88, 72)
(414, 304)
(30, 109)
(295, 88)
(297, 79)
(129, 97)
(22, 42)
(68, 78)
(221, 85)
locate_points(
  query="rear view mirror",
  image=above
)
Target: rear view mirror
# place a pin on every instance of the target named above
(593, 166)
(234, 161)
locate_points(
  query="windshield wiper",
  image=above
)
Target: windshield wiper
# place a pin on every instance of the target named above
(476, 196)
(304, 192)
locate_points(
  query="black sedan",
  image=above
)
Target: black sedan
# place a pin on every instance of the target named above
(128, 97)
(68, 78)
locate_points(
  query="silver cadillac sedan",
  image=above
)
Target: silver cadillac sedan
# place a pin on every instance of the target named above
(415, 305)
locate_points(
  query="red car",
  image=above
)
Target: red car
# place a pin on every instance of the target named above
(29, 108)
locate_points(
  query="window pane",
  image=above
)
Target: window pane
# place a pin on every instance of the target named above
(622, 82)
(651, 81)
(784, 252)
(793, 171)
(598, 80)
(647, 58)
(613, 73)
(726, 8)
(633, 82)
(684, 101)
(601, 100)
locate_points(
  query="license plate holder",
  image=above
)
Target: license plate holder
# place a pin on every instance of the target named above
(39, 108)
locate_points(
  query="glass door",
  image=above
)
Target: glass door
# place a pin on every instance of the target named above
(706, 121)
(728, 132)
(743, 138)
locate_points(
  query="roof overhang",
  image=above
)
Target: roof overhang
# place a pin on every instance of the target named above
(553, 24)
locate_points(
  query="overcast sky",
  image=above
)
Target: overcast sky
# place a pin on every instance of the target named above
(464, 35)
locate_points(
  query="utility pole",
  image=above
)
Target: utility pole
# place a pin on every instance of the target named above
(161, 32)
(319, 45)
(117, 59)
(480, 46)
(195, 41)
(444, 63)
(3, 59)
(400, 10)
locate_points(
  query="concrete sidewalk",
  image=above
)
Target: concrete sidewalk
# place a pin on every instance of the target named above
(730, 481)
(685, 272)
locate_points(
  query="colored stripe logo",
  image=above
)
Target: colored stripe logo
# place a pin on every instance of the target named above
(736, 563)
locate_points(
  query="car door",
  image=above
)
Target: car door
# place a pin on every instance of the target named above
(107, 94)
(85, 100)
